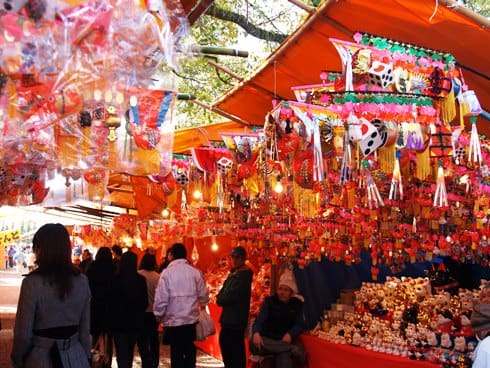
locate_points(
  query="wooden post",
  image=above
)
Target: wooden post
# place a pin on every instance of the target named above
(274, 280)
(213, 50)
(221, 112)
(302, 5)
(226, 70)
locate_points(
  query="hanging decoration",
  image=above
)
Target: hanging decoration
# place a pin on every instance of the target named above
(396, 188)
(440, 195)
(372, 196)
(474, 153)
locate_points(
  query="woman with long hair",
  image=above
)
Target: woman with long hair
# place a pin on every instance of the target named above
(52, 324)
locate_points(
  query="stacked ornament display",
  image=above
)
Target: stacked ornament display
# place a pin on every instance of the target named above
(404, 317)
(85, 88)
(377, 158)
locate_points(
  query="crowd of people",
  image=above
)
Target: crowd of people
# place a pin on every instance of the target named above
(64, 309)
(66, 306)
(19, 258)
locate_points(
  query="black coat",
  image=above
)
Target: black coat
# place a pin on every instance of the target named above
(234, 297)
(277, 318)
(100, 275)
(129, 299)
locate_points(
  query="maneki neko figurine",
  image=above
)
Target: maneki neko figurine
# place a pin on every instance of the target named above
(432, 338)
(460, 344)
(446, 341)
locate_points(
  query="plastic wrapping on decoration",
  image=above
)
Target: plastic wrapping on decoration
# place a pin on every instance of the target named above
(68, 72)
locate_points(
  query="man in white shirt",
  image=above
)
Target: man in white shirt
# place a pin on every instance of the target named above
(480, 322)
(181, 291)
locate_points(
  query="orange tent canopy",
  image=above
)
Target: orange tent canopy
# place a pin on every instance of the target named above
(185, 139)
(439, 25)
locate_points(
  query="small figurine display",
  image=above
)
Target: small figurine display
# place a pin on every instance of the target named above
(403, 317)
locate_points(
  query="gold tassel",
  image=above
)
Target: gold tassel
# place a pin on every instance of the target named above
(305, 201)
(461, 119)
(464, 107)
(423, 169)
(447, 107)
(12, 101)
(85, 142)
(386, 158)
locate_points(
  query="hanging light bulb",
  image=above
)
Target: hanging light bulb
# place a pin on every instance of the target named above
(278, 188)
(166, 213)
(214, 245)
(197, 195)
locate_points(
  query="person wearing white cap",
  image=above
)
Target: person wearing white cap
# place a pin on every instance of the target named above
(279, 322)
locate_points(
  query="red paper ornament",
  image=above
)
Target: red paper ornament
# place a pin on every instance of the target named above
(246, 171)
(287, 145)
(303, 168)
(145, 137)
(94, 176)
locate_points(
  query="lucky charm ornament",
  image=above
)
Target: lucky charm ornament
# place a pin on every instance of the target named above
(373, 198)
(474, 154)
(440, 196)
(396, 188)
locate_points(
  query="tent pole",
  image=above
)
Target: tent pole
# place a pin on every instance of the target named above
(214, 50)
(474, 71)
(226, 70)
(221, 112)
(485, 115)
(303, 6)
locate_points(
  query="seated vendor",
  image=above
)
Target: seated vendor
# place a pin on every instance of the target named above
(279, 322)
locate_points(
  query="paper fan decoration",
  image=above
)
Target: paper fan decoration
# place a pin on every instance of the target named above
(346, 52)
(244, 147)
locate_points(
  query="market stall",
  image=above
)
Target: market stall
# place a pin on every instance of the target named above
(374, 179)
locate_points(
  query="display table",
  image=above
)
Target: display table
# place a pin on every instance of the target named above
(323, 354)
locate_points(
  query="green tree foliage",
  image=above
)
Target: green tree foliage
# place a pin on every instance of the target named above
(481, 7)
(256, 26)
(231, 23)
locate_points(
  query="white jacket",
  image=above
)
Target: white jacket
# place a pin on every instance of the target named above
(482, 354)
(180, 291)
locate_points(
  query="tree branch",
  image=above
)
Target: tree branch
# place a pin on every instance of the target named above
(223, 14)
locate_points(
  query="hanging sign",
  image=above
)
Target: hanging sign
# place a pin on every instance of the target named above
(9, 236)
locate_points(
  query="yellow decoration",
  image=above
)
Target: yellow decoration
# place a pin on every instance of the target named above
(252, 184)
(148, 162)
(461, 119)
(447, 107)
(96, 192)
(423, 169)
(68, 150)
(305, 201)
(386, 158)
